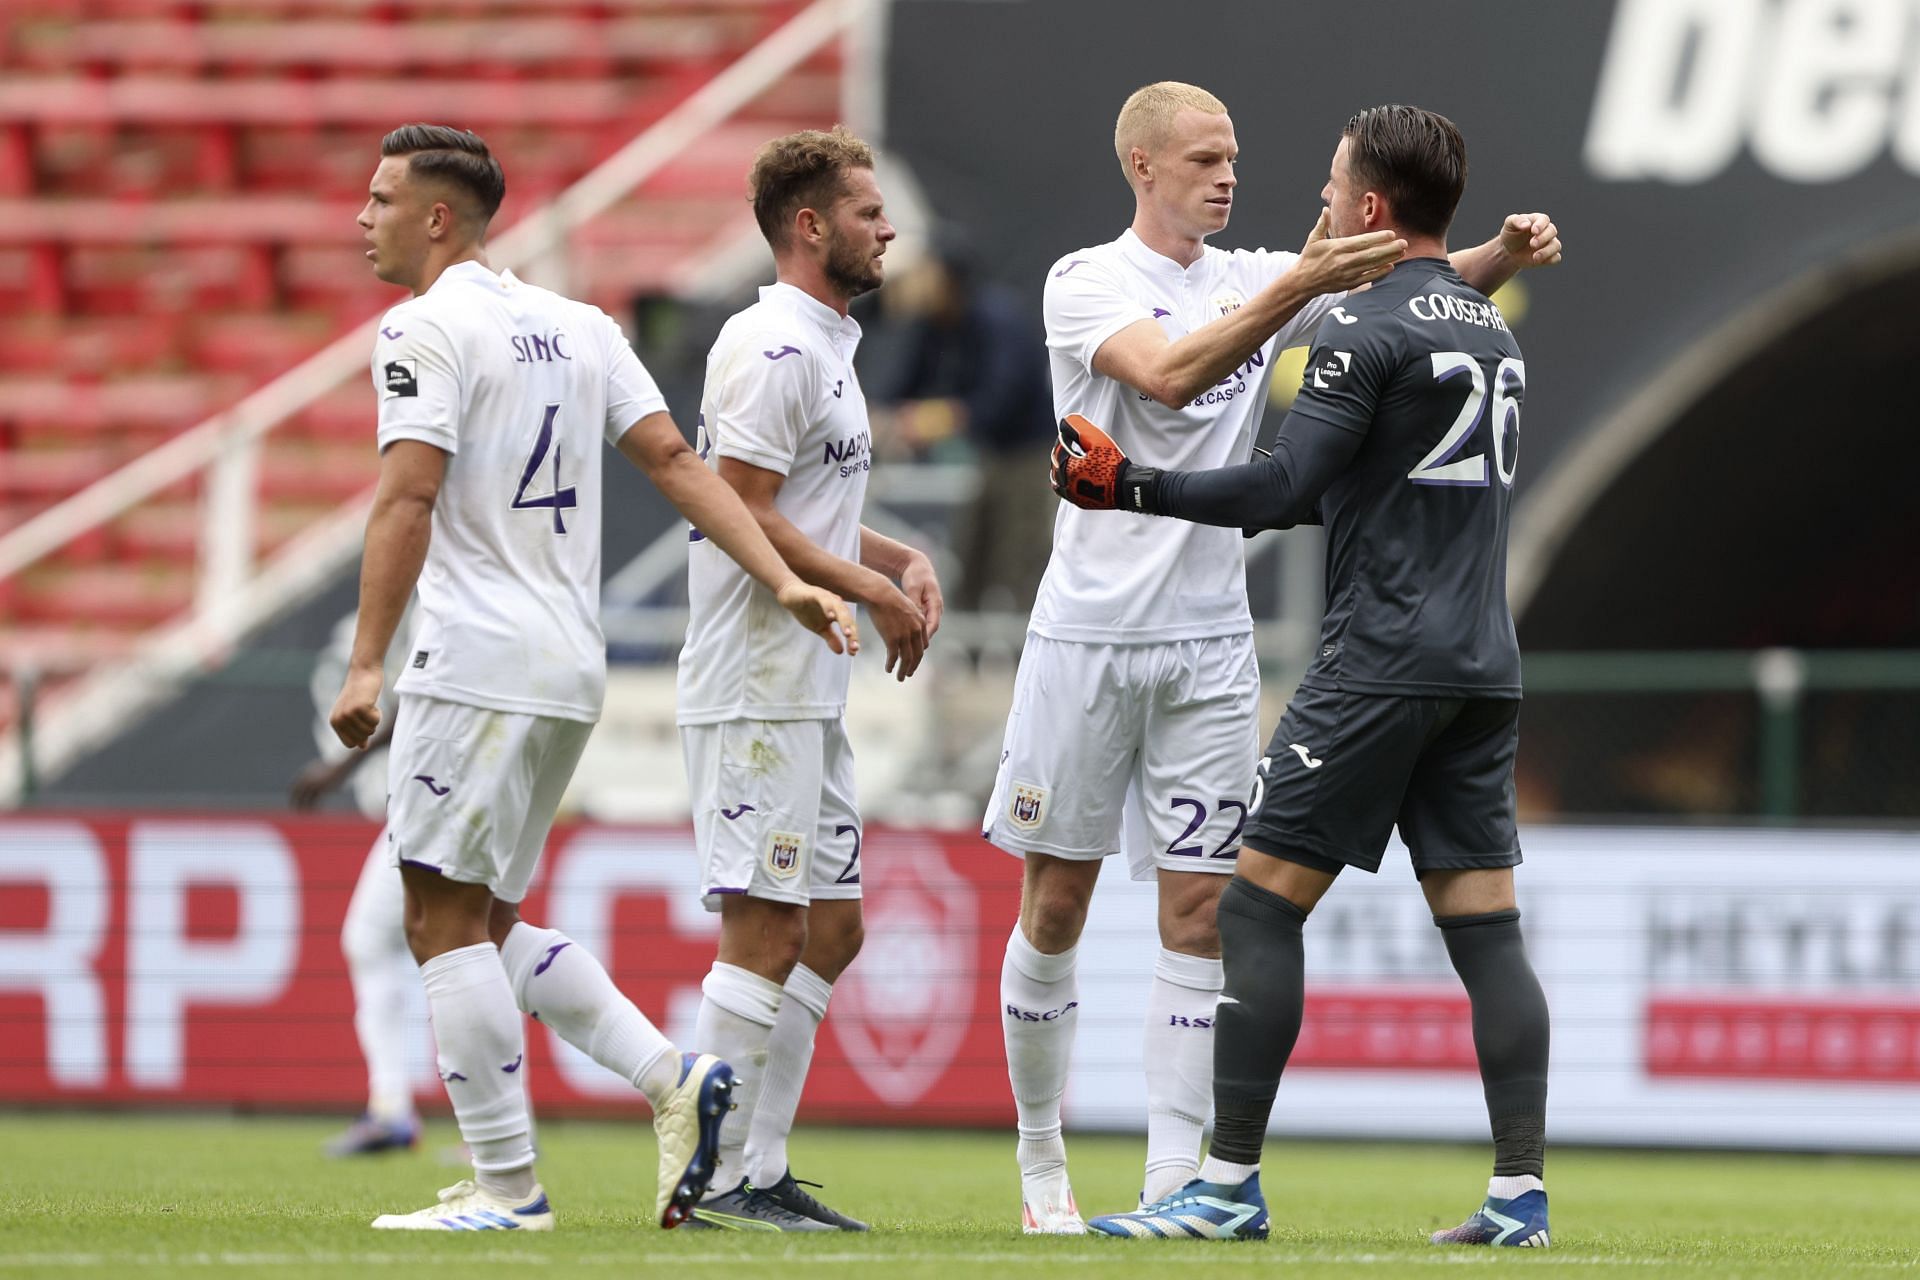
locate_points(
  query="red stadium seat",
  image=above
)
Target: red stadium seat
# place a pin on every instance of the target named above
(179, 181)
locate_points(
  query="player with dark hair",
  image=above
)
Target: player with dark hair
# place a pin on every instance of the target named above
(495, 397)
(1404, 437)
(1144, 630)
(762, 715)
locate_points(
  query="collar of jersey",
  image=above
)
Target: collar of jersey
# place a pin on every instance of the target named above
(471, 270)
(1429, 266)
(1136, 252)
(798, 300)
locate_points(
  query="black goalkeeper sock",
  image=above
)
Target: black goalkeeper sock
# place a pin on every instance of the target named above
(1258, 1018)
(1510, 1033)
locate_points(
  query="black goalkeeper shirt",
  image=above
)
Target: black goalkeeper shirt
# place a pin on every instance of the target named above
(1405, 433)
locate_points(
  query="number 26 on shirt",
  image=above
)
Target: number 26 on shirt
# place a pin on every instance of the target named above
(1440, 466)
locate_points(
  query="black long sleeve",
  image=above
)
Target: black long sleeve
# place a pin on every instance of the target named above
(1272, 493)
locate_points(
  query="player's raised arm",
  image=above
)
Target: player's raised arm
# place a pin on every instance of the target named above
(1173, 372)
(1525, 240)
(398, 530)
(655, 445)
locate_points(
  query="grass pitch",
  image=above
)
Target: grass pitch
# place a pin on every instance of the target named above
(203, 1196)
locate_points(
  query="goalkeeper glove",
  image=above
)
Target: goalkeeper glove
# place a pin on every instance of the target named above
(1090, 471)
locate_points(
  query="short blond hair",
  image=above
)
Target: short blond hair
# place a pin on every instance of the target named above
(804, 170)
(1146, 119)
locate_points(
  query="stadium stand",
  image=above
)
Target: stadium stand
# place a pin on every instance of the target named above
(178, 183)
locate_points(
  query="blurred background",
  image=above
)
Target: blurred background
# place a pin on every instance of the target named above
(1714, 563)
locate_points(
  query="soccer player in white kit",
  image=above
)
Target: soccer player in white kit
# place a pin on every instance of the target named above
(784, 422)
(495, 397)
(1137, 699)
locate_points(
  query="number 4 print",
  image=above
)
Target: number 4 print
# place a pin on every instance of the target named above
(560, 499)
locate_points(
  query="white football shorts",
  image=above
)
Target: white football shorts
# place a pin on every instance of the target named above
(1159, 740)
(773, 810)
(471, 792)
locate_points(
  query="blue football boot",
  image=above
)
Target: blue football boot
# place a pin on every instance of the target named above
(1517, 1223)
(1197, 1211)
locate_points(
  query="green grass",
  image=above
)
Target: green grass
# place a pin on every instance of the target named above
(126, 1195)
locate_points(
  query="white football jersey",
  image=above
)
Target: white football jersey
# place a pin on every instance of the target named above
(520, 386)
(1115, 578)
(780, 394)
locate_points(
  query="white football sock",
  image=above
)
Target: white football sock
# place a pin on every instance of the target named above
(386, 987)
(1227, 1175)
(1179, 1058)
(1039, 1008)
(482, 1048)
(1516, 1185)
(737, 1011)
(559, 983)
(789, 1054)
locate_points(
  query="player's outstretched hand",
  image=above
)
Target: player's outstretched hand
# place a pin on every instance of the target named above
(1531, 240)
(1087, 465)
(819, 611)
(1330, 264)
(356, 712)
(903, 626)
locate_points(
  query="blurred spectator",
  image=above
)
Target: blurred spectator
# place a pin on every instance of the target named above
(971, 367)
(389, 1004)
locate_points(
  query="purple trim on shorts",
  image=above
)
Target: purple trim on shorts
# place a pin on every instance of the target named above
(726, 891)
(424, 866)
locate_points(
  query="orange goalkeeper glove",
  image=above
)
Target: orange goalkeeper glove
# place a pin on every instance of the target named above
(1090, 471)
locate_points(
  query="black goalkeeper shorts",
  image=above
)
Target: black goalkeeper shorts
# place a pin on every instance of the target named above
(1344, 768)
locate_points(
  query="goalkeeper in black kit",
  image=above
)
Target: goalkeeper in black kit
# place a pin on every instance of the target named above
(1404, 441)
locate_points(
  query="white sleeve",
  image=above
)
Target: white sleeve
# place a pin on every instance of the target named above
(1297, 332)
(1084, 306)
(416, 374)
(632, 393)
(760, 402)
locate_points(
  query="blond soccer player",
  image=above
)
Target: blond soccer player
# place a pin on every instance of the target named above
(1136, 706)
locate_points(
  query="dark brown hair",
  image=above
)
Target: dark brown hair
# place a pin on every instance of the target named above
(454, 156)
(805, 170)
(1415, 158)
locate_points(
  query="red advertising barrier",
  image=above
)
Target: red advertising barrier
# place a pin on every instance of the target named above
(1783, 1040)
(197, 960)
(1413, 1030)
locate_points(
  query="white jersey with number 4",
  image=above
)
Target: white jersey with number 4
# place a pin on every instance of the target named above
(780, 395)
(1115, 578)
(521, 387)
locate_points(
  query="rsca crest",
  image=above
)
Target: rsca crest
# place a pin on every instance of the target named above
(785, 852)
(1026, 805)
